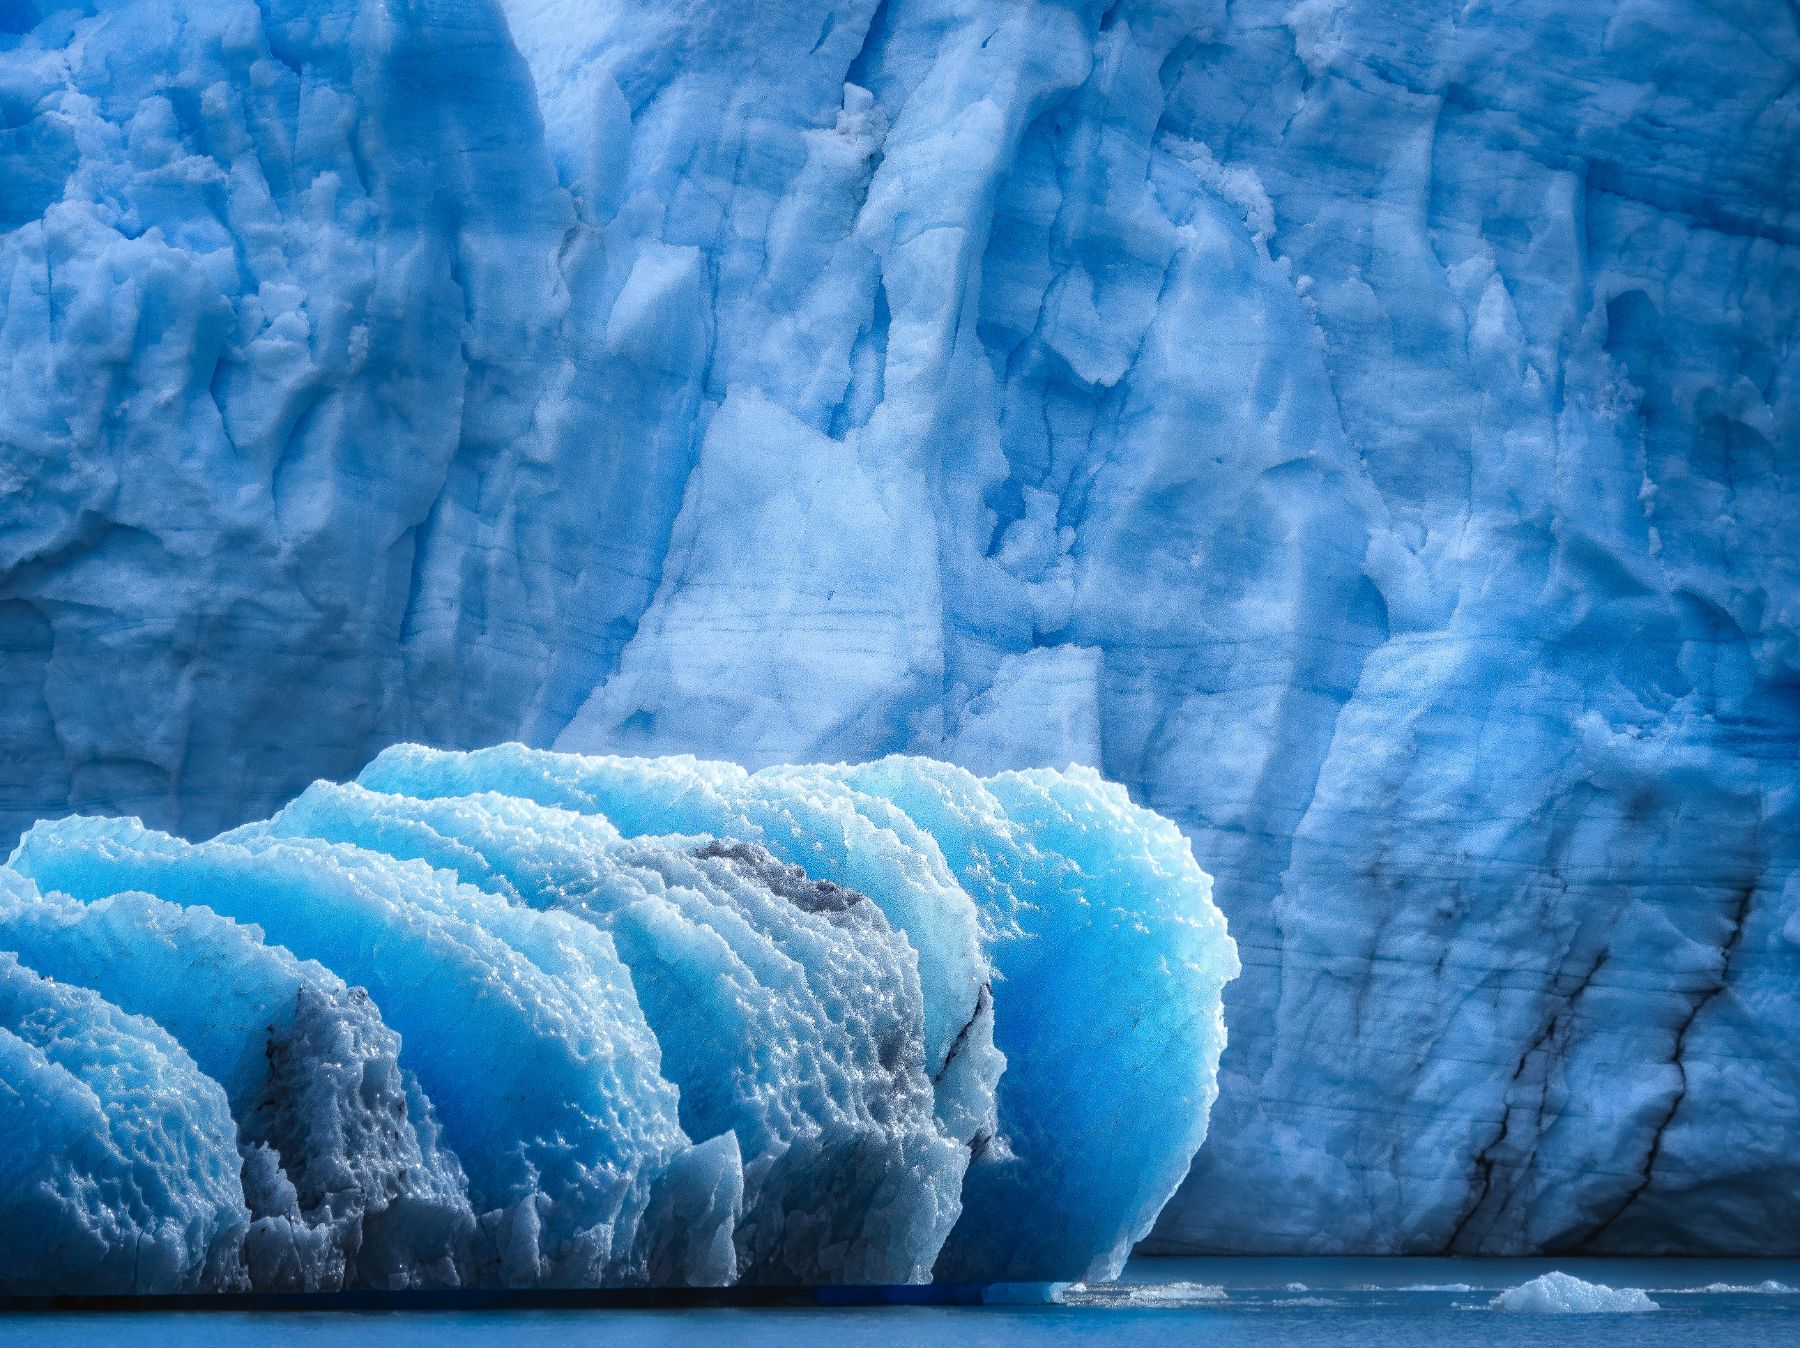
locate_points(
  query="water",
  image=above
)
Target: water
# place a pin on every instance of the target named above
(1292, 1303)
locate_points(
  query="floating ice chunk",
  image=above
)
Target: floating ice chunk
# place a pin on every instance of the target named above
(1767, 1287)
(340, 1187)
(811, 821)
(521, 1026)
(118, 1158)
(788, 1011)
(539, 966)
(1125, 1294)
(1563, 1293)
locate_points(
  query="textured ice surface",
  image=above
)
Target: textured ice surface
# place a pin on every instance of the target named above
(556, 1107)
(1078, 888)
(804, 819)
(1565, 1294)
(485, 1018)
(787, 1009)
(343, 1182)
(118, 1159)
(1365, 431)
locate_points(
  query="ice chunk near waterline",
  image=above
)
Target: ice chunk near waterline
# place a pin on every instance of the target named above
(788, 1011)
(1080, 890)
(545, 963)
(118, 1158)
(1565, 1294)
(522, 1027)
(815, 823)
(344, 1181)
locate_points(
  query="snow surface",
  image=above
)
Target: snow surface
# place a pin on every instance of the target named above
(485, 1019)
(1364, 431)
(1562, 1293)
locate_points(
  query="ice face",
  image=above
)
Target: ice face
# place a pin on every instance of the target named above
(343, 1187)
(581, 1049)
(814, 823)
(118, 1158)
(787, 1009)
(1365, 431)
(556, 1108)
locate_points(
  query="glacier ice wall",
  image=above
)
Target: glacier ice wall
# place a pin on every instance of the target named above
(577, 1048)
(1367, 432)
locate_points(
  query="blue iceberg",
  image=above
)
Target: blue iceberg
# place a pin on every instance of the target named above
(516, 1018)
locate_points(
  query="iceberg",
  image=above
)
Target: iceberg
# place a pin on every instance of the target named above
(1562, 1293)
(515, 1018)
(1364, 432)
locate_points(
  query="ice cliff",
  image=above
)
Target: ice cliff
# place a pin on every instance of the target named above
(524, 1019)
(1367, 432)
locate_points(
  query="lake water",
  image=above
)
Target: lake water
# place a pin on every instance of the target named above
(1293, 1303)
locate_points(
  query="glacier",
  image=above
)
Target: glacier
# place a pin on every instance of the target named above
(524, 1019)
(1365, 432)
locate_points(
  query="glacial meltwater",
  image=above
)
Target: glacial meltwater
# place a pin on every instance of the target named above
(1295, 1303)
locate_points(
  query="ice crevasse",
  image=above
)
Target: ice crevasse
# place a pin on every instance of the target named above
(525, 1019)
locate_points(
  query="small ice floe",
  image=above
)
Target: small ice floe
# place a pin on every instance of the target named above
(1142, 1294)
(1767, 1287)
(1431, 1287)
(1558, 1292)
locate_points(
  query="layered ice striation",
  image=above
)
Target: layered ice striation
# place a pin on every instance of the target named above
(788, 1011)
(1364, 431)
(525, 1019)
(343, 1180)
(119, 1172)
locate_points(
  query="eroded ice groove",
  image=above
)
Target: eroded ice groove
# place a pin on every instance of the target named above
(521, 1026)
(815, 823)
(787, 1009)
(344, 1182)
(665, 1057)
(118, 1159)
